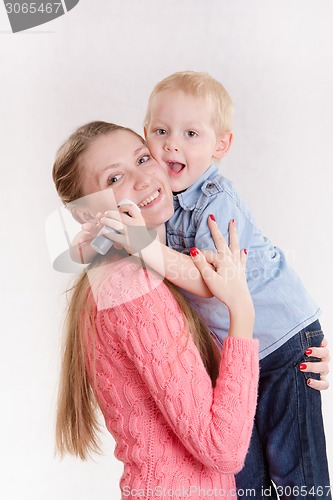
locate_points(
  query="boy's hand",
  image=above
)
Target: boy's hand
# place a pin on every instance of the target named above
(80, 250)
(132, 233)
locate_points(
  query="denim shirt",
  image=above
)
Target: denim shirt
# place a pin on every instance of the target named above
(282, 305)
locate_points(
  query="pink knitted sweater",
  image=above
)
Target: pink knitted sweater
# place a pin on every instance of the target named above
(176, 436)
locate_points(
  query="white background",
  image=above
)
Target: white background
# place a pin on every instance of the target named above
(100, 61)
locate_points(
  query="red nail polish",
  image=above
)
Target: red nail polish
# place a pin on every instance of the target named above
(233, 220)
(308, 381)
(308, 352)
(194, 252)
(245, 251)
(211, 216)
(302, 366)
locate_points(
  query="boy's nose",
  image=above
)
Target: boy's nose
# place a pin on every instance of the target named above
(171, 143)
(171, 147)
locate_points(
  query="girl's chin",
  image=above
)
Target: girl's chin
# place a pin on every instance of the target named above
(160, 219)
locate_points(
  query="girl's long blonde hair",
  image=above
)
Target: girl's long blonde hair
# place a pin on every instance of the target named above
(77, 425)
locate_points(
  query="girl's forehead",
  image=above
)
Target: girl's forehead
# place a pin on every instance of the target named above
(118, 143)
(117, 137)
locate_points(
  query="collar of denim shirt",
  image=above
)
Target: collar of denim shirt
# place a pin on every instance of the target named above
(188, 198)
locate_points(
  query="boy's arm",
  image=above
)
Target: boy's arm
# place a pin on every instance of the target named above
(132, 234)
(176, 267)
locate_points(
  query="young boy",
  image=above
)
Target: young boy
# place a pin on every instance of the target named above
(188, 128)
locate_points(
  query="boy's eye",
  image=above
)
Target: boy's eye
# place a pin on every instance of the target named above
(113, 179)
(191, 133)
(143, 159)
(160, 131)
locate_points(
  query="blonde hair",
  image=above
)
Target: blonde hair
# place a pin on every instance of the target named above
(77, 425)
(201, 85)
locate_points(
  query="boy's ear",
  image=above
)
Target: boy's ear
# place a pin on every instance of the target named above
(81, 216)
(223, 145)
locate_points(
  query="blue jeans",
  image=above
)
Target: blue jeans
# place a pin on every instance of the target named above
(288, 441)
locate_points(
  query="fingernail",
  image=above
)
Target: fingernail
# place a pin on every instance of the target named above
(245, 251)
(233, 220)
(194, 252)
(302, 366)
(211, 216)
(308, 352)
(308, 381)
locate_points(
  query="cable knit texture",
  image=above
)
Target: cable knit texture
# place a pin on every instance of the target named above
(176, 435)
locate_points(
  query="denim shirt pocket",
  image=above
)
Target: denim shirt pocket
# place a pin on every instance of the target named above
(180, 242)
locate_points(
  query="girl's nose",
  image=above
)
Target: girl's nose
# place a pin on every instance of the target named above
(142, 180)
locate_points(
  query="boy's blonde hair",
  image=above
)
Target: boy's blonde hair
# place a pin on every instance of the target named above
(201, 85)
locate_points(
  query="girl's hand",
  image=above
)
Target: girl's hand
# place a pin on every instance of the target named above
(132, 233)
(321, 367)
(224, 274)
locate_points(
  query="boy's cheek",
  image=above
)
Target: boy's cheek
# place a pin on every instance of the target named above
(165, 168)
(173, 186)
(156, 155)
(154, 149)
(161, 167)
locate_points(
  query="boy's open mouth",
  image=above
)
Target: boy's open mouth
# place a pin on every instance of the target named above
(175, 166)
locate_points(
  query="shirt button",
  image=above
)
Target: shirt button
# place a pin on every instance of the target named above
(210, 186)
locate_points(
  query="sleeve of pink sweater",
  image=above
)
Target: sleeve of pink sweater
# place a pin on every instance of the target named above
(214, 424)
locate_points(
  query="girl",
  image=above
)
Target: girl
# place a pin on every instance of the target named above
(181, 415)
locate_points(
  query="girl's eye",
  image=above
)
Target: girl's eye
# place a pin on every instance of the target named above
(160, 131)
(113, 179)
(143, 159)
(191, 133)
